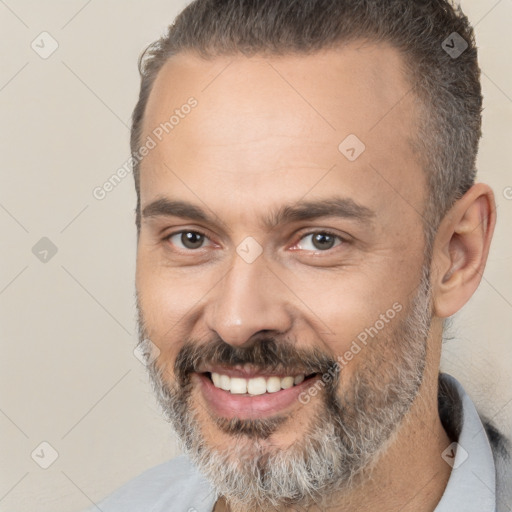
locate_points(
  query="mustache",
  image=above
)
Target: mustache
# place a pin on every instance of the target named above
(266, 353)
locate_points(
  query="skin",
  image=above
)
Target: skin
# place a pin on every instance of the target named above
(265, 133)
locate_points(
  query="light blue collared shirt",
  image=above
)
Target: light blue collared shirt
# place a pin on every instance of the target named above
(472, 483)
(176, 486)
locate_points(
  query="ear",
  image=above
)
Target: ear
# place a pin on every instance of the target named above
(461, 248)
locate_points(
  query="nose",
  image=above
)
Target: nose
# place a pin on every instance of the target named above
(248, 300)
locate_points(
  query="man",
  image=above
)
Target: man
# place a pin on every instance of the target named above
(307, 219)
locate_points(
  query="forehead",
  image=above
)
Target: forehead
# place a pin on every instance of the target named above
(266, 124)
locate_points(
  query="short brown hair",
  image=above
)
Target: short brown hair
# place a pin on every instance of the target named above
(447, 83)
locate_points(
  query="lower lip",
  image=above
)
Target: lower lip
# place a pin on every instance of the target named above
(226, 405)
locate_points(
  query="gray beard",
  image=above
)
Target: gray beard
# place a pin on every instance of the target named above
(341, 444)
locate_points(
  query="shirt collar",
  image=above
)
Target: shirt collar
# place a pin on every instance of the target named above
(471, 486)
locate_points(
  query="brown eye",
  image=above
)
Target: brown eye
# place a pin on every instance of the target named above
(187, 239)
(319, 241)
(323, 241)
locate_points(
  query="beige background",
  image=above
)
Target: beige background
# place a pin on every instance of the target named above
(67, 372)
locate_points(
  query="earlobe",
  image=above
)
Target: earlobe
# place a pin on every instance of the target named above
(461, 249)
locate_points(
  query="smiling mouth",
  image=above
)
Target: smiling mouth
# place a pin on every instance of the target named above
(255, 386)
(232, 392)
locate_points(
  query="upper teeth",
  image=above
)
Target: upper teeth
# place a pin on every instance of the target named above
(255, 386)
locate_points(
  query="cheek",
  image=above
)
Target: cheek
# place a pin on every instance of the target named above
(170, 300)
(353, 307)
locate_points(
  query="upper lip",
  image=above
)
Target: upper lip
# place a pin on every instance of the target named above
(250, 372)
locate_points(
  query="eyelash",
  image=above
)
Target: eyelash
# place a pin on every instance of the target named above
(323, 232)
(328, 233)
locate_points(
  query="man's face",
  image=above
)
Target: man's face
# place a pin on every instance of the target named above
(269, 287)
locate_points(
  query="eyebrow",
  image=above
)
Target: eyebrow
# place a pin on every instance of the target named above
(341, 207)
